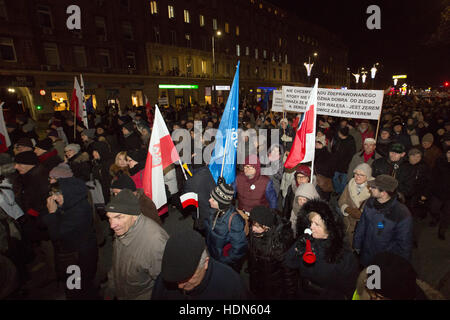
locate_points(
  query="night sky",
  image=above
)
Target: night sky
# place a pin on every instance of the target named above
(401, 44)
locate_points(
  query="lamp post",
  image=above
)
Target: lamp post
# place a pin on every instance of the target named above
(309, 66)
(356, 75)
(373, 71)
(213, 91)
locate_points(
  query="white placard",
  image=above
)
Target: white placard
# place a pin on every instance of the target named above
(163, 101)
(360, 104)
(277, 101)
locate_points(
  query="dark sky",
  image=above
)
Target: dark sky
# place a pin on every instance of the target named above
(400, 45)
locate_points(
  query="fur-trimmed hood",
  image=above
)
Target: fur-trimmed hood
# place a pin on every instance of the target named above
(333, 223)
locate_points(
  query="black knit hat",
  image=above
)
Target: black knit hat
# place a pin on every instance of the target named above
(263, 215)
(129, 126)
(124, 182)
(138, 155)
(27, 157)
(223, 194)
(182, 255)
(45, 144)
(125, 202)
(397, 148)
(398, 278)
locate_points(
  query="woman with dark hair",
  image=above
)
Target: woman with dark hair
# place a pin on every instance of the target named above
(333, 274)
(136, 163)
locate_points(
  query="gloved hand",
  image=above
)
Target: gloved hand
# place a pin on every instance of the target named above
(355, 213)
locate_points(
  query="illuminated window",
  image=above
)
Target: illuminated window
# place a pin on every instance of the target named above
(237, 30)
(204, 66)
(186, 16)
(60, 101)
(260, 6)
(227, 27)
(171, 12)
(214, 24)
(238, 50)
(153, 7)
(202, 21)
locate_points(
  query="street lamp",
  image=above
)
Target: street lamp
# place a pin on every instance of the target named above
(309, 65)
(373, 71)
(218, 34)
(356, 75)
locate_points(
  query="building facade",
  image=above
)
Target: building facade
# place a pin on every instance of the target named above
(128, 50)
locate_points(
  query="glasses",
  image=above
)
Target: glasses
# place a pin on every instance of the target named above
(359, 174)
(248, 167)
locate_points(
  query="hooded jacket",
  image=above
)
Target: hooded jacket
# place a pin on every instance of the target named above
(100, 168)
(334, 274)
(81, 166)
(256, 191)
(309, 192)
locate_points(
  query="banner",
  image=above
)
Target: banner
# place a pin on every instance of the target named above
(360, 104)
(277, 101)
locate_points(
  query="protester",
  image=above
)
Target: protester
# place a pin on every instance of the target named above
(79, 162)
(22, 145)
(120, 165)
(47, 155)
(302, 175)
(58, 143)
(368, 155)
(188, 272)
(224, 228)
(70, 226)
(269, 239)
(137, 250)
(132, 141)
(385, 224)
(384, 141)
(333, 274)
(304, 193)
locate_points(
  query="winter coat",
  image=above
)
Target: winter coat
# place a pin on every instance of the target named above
(287, 208)
(383, 147)
(342, 151)
(49, 160)
(402, 138)
(400, 171)
(219, 283)
(34, 188)
(81, 166)
(255, 192)
(270, 279)
(8, 201)
(202, 183)
(323, 163)
(440, 184)
(421, 184)
(323, 280)
(220, 232)
(100, 168)
(72, 231)
(350, 198)
(59, 146)
(360, 137)
(357, 159)
(383, 227)
(137, 257)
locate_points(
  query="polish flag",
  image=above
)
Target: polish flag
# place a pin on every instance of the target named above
(161, 153)
(305, 140)
(76, 102)
(188, 199)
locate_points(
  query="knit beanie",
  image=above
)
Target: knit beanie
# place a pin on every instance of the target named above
(138, 155)
(365, 168)
(223, 194)
(125, 202)
(428, 138)
(307, 190)
(61, 171)
(124, 182)
(27, 157)
(182, 255)
(74, 147)
(263, 215)
(45, 144)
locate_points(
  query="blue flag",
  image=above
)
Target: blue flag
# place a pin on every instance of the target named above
(227, 137)
(265, 103)
(89, 105)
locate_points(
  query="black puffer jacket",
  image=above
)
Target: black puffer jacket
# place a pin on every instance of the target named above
(270, 278)
(80, 165)
(400, 170)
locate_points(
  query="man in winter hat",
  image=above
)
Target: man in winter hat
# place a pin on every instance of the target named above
(137, 251)
(225, 228)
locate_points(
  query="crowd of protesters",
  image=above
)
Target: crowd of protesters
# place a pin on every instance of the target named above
(371, 186)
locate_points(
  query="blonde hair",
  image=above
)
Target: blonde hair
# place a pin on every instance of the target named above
(311, 216)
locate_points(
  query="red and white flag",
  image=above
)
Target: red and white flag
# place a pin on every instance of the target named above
(161, 153)
(188, 199)
(77, 101)
(83, 115)
(305, 140)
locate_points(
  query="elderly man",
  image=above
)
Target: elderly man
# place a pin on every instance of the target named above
(137, 250)
(188, 272)
(354, 197)
(368, 155)
(385, 225)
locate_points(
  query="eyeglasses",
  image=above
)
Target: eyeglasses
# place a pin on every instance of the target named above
(248, 167)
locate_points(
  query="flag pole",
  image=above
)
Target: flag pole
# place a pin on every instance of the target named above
(378, 126)
(224, 154)
(74, 123)
(181, 165)
(314, 153)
